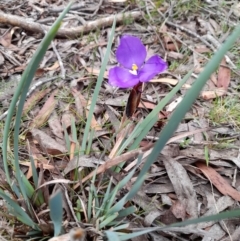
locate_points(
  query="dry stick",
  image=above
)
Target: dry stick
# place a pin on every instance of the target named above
(97, 8)
(63, 71)
(29, 25)
(76, 6)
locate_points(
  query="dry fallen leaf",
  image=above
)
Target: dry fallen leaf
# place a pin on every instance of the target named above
(170, 81)
(183, 187)
(224, 75)
(236, 9)
(212, 94)
(6, 39)
(96, 72)
(53, 67)
(55, 125)
(47, 143)
(94, 124)
(33, 99)
(218, 181)
(172, 106)
(45, 112)
(179, 210)
(80, 101)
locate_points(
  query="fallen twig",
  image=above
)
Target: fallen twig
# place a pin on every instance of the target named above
(29, 25)
(115, 161)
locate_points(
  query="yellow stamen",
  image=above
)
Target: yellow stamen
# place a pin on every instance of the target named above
(134, 67)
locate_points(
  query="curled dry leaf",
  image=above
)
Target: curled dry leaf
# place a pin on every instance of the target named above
(212, 94)
(33, 99)
(55, 125)
(224, 75)
(47, 143)
(55, 66)
(94, 124)
(236, 10)
(150, 217)
(1, 59)
(67, 119)
(172, 106)
(6, 39)
(218, 181)
(179, 210)
(170, 81)
(96, 72)
(82, 161)
(80, 101)
(219, 206)
(182, 186)
(45, 112)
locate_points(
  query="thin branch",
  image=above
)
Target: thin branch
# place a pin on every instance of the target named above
(29, 25)
(115, 161)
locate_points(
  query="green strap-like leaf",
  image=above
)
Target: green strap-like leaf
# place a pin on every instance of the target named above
(56, 211)
(20, 214)
(97, 89)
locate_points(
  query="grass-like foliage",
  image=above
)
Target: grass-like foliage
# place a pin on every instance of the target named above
(109, 212)
(23, 188)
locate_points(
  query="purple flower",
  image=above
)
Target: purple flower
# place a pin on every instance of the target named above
(131, 54)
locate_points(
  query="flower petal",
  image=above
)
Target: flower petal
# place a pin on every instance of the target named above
(122, 78)
(155, 65)
(131, 51)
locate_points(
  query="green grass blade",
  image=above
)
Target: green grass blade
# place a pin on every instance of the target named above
(56, 211)
(108, 220)
(123, 226)
(216, 217)
(136, 234)
(66, 137)
(22, 90)
(27, 79)
(74, 130)
(90, 197)
(20, 214)
(105, 199)
(90, 141)
(126, 179)
(16, 189)
(97, 89)
(39, 197)
(112, 236)
(119, 205)
(183, 108)
(127, 211)
(112, 197)
(34, 171)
